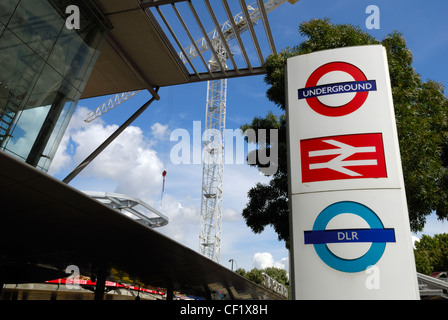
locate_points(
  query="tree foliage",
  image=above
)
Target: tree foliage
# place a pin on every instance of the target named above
(421, 114)
(269, 202)
(255, 275)
(431, 253)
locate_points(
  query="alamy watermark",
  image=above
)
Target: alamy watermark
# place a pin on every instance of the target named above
(373, 280)
(73, 21)
(72, 280)
(189, 150)
(373, 20)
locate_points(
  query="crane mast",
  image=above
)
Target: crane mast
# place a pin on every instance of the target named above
(213, 160)
(213, 153)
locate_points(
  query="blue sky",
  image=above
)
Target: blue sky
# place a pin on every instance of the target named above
(133, 166)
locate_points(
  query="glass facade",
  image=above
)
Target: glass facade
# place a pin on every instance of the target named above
(44, 67)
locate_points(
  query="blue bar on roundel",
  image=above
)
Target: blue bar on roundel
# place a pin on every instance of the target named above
(349, 235)
(334, 88)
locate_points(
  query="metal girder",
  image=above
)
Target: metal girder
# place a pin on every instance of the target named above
(231, 29)
(154, 3)
(109, 140)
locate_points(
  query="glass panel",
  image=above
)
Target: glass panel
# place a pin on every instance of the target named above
(37, 99)
(32, 117)
(19, 70)
(60, 92)
(71, 57)
(26, 131)
(47, 100)
(58, 133)
(90, 66)
(37, 24)
(2, 27)
(7, 7)
(76, 49)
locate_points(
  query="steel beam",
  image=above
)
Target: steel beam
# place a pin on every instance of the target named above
(109, 140)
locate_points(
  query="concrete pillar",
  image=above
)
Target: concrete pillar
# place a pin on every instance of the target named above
(100, 283)
(169, 290)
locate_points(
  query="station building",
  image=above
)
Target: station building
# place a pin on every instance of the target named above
(48, 62)
(52, 54)
(44, 69)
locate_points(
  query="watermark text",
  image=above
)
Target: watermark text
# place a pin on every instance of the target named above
(226, 148)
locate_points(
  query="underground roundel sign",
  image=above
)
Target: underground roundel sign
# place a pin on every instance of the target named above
(360, 85)
(375, 234)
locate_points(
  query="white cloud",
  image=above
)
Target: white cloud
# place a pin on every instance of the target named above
(160, 131)
(263, 260)
(184, 221)
(282, 264)
(129, 160)
(414, 240)
(229, 214)
(63, 157)
(238, 180)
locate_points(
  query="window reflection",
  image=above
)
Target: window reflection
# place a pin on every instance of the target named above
(37, 24)
(20, 69)
(43, 70)
(27, 130)
(7, 7)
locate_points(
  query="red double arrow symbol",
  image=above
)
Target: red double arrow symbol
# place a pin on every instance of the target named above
(329, 158)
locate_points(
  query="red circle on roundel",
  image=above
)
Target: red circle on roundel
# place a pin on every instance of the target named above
(354, 104)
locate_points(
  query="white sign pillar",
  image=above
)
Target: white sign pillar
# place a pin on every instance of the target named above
(349, 224)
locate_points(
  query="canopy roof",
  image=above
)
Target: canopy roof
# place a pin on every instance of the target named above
(165, 42)
(48, 225)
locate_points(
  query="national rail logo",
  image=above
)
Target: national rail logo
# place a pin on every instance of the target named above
(350, 156)
(360, 86)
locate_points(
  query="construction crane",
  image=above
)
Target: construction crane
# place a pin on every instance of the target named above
(213, 154)
(240, 23)
(110, 104)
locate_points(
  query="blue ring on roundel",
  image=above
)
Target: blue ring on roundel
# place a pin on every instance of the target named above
(370, 258)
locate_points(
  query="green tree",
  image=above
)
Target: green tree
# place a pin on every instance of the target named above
(241, 272)
(256, 275)
(269, 202)
(431, 253)
(421, 113)
(277, 274)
